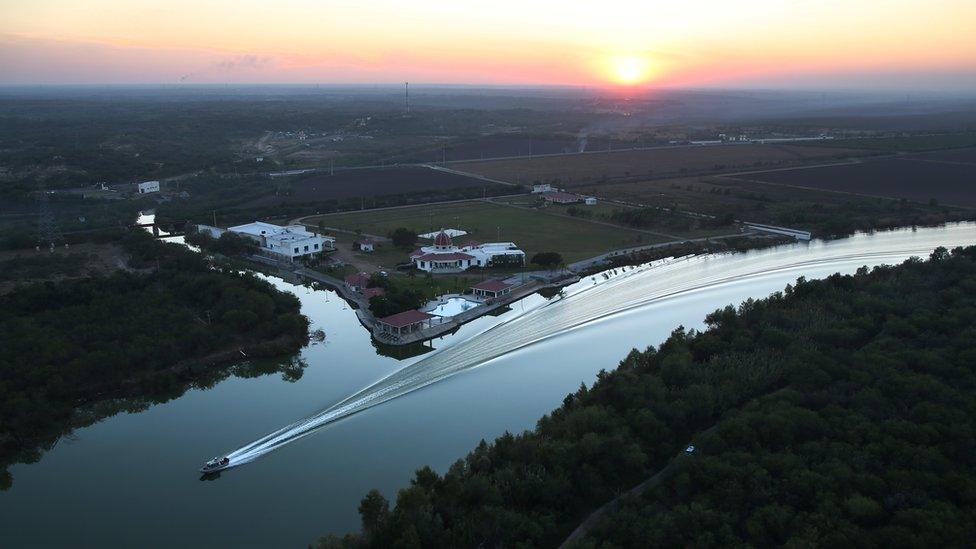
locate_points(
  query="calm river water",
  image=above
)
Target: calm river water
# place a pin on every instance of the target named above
(131, 479)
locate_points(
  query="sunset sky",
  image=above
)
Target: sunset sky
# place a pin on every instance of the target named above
(897, 44)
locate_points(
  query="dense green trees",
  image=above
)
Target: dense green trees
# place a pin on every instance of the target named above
(839, 412)
(403, 238)
(130, 334)
(396, 300)
(547, 259)
(229, 244)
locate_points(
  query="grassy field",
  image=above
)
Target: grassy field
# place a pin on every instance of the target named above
(580, 169)
(534, 231)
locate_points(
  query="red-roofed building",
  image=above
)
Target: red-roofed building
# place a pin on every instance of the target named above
(405, 322)
(559, 197)
(366, 245)
(357, 282)
(369, 293)
(416, 253)
(445, 257)
(491, 288)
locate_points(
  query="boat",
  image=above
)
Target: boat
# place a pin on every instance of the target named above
(215, 464)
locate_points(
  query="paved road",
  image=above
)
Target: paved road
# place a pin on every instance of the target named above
(594, 518)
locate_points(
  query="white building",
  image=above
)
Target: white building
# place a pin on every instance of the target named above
(290, 242)
(445, 257)
(559, 197)
(148, 187)
(366, 245)
(590, 201)
(543, 188)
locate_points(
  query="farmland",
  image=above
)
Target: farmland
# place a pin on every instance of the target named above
(822, 212)
(510, 145)
(907, 143)
(921, 178)
(377, 182)
(579, 169)
(964, 156)
(532, 230)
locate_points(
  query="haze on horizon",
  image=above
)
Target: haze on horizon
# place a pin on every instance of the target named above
(870, 45)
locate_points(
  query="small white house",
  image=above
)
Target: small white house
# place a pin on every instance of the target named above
(148, 187)
(543, 188)
(366, 245)
(590, 201)
(292, 241)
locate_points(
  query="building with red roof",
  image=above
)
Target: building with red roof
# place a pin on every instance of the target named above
(370, 293)
(445, 257)
(357, 282)
(366, 245)
(491, 288)
(405, 322)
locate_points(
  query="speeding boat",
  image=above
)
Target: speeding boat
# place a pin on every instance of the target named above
(215, 464)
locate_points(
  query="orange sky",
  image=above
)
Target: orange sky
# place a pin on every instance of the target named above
(782, 43)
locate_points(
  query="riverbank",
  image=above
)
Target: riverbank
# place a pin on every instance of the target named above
(147, 334)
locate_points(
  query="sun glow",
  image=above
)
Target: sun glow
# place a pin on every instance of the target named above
(630, 69)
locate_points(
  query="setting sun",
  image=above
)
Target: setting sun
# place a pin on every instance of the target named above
(629, 69)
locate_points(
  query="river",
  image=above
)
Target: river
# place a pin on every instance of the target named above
(358, 420)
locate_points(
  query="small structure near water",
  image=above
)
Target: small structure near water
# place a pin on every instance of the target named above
(357, 282)
(491, 289)
(404, 323)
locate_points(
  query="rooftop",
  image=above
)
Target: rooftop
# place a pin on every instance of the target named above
(491, 285)
(358, 279)
(373, 292)
(449, 256)
(406, 318)
(558, 195)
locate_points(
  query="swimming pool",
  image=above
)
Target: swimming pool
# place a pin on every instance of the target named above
(452, 306)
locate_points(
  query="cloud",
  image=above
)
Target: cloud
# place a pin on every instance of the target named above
(234, 64)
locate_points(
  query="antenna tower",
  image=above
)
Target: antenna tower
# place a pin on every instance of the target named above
(48, 231)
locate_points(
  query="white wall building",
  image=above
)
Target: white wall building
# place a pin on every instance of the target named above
(292, 241)
(543, 188)
(445, 257)
(148, 187)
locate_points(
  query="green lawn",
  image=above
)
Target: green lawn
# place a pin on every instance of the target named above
(532, 230)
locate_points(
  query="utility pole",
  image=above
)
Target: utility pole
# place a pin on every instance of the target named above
(406, 96)
(215, 218)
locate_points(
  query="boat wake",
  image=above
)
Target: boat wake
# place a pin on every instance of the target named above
(612, 293)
